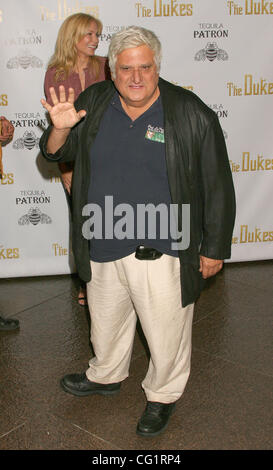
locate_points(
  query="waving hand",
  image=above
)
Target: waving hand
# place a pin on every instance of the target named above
(63, 116)
(63, 113)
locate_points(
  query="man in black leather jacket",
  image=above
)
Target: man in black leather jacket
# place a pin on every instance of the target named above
(141, 140)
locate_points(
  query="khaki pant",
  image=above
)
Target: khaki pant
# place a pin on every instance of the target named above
(119, 292)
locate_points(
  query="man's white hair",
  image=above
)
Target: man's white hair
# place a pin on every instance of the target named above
(133, 36)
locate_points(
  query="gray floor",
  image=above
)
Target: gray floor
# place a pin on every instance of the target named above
(228, 400)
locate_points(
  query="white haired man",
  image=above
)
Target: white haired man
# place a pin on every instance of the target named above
(144, 142)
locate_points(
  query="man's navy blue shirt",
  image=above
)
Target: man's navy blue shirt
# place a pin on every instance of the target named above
(128, 166)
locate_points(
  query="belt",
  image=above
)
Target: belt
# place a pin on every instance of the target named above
(143, 252)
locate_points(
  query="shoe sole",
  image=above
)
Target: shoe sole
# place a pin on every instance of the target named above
(7, 329)
(90, 392)
(153, 434)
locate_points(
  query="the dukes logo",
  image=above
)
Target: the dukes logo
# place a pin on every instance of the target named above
(249, 163)
(250, 7)
(250, 87)
(161, 8)
(65, 8)
(253, 235)
(9, 253)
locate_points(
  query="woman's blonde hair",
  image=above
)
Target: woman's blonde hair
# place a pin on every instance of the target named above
(70, 33)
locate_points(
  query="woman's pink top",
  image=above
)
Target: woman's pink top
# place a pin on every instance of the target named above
(73, 80)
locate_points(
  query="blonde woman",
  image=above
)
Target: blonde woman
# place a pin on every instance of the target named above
(75, 65)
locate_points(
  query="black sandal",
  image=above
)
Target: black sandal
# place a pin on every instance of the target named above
(8, 324)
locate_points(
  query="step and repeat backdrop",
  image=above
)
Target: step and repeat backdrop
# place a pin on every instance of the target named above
(221, 50)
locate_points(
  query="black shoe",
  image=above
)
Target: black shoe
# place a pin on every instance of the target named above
(155, 418)
(79, 385)
(8, 324)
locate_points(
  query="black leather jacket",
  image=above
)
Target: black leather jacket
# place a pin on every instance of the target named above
(198, 173)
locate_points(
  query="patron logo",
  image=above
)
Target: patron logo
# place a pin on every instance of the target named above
(250, 87)
(29, 120)
(9, 253)
(34, 217)
(109, 30)
(163, 8)
(221, 113)
(211, 52)
(28, 141)
(24, 59)
(30, 196)
(65, 8)
(29, 37)
(250, 7)
(219, 110)
(210, 30)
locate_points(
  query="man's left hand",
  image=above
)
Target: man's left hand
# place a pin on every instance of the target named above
(209, 267)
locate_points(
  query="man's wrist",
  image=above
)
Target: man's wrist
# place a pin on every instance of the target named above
(60, 132)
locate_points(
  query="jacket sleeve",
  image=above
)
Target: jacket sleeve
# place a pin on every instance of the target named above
(218, 194)
(66, 153)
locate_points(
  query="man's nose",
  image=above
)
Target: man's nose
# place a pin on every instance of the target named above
(136, 76)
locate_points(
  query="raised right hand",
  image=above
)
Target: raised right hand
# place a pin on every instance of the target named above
(63, 113)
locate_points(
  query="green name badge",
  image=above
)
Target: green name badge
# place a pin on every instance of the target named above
(156, 134)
